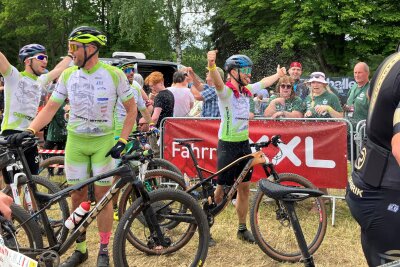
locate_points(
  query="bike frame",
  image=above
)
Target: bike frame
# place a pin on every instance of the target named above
(256, 158)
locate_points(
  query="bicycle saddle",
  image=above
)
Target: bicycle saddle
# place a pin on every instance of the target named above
(287, 193)
(187, 140)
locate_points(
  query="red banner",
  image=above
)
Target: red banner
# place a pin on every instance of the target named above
(313, 149)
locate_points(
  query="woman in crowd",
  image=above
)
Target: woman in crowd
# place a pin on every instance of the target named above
(321, 103)
(285, 103)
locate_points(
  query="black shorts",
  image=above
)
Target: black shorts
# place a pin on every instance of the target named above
(227, 152)
(31, 154)
(377, 211)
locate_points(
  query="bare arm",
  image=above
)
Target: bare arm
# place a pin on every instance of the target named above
(130, 118)
(396, 147)
(196, 93)
(196, 80)
(60, 67)
(4, 64)
(217, 80)
(270, 80)
(156, 114)
(45, 115)
(146, 115)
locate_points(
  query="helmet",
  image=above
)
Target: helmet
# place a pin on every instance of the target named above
(237, 61)
(30, 50)
(86, 35)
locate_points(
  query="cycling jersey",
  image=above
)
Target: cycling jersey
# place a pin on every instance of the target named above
(92, 97)
(235, 112)
(120, 112)
(373, 191)
(22, 91)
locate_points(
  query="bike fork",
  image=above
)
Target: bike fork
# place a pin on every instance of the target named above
(307, 258)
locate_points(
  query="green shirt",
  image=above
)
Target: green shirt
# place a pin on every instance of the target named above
(357, 98)
(291, 104)
(58, 127)
(325, 99)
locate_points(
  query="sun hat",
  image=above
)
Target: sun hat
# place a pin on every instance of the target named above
(317, 77)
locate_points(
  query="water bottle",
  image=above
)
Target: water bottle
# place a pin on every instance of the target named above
(77, 215)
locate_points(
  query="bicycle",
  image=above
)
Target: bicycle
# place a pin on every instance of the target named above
(148, 207)
(20, 184)
(204, 191)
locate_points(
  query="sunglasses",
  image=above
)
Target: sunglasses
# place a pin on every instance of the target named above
(287, 86)
(75, 47)
(40, 57)
(317, 76)
(246, 70)
(128, 70)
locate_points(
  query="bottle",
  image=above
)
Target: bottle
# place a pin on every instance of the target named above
(77, 215)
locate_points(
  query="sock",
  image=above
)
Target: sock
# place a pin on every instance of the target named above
(242, 227)
(104, 240)
(81, 243)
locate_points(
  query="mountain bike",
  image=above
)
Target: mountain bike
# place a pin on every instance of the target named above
(20, 184)
(148, 207)
(203, 190)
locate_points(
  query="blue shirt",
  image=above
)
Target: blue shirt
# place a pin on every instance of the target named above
(210, 102)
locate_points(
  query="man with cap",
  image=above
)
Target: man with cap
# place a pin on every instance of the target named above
(22, 92)
(92, 88)
(300, 88)
(206, 93)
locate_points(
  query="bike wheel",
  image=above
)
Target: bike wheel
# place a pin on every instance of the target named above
(153, 180)
(271, 226)
(56, 213)
(27, 237)
(53, 169)
(189, 239)
(157, 163)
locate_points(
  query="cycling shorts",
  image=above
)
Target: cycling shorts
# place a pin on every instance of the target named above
(377, 212)
(86, 154)
(227, 152)
(31, 154)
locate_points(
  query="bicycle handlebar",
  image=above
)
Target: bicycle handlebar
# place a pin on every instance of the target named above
(275, 140)
(139, 134)
(137, 155)
(26, 141)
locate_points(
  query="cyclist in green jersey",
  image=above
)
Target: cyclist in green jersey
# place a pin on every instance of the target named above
(92, 88)
(234, 104)
(22, 91)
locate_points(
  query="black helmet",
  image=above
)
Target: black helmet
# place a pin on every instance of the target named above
(30, 50)
(86, 35)
(237, 61)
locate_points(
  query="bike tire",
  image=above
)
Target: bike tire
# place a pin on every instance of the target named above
(58, 175)
(28, 236)
(193, 240)
(152, 178)
(58, 213)
(276, 238)
(157, 163)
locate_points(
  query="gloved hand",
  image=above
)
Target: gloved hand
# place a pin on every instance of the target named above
(154, 130)
(116, 151)
(17, 138)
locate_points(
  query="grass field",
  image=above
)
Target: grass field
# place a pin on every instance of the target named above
(341, 246)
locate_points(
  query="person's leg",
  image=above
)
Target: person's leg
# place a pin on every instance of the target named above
(242, 202)
(101, 164)
(77, 165)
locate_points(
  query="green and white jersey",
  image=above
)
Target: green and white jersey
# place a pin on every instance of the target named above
(120, 112)
(22, 92)
(235, 113)
(92, 97)
(325, 98)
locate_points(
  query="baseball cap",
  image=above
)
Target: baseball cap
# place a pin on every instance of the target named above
(296, 64)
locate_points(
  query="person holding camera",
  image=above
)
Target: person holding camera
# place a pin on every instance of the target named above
(356, 107)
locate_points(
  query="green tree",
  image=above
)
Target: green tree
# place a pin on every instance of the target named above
(332, 33)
